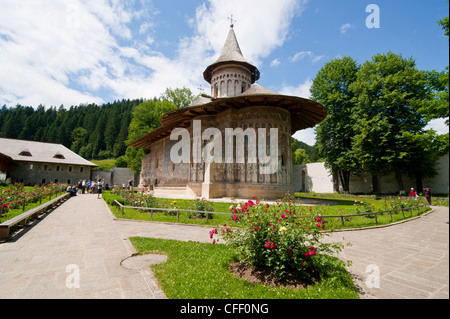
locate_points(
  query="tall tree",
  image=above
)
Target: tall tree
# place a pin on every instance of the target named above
(145, 119)
(182, 98)
(334, 135)
(436, 105)
(383, 90)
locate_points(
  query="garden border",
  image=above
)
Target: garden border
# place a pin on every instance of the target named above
(342, 217)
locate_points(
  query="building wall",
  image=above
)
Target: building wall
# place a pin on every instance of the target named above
(35, 173)
(314, 177)
(116, 176)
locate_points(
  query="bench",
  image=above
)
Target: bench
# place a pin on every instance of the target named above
(32, 213)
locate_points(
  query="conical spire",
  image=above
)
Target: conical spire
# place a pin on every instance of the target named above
(231, 50)
(231, 54)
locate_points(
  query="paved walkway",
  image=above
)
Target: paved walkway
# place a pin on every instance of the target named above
(80, 244)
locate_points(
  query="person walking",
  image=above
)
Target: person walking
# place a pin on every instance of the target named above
(428, 195)
(99, 188)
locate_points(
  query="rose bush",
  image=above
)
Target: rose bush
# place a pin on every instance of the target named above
(13, 196)
(276, 236)
(204, 206)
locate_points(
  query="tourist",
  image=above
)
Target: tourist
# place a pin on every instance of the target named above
(412, 194)
(99, 188)
(428, 195)
(83, 187)
(93, 187)
(74, 191)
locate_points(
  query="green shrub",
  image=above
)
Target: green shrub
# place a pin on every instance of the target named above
(110, 198)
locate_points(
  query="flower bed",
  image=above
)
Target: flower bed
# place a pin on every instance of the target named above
(272, 236)
(17, 197)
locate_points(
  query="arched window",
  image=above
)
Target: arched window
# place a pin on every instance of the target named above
(222, 91)
(230, 91)
(236, 88)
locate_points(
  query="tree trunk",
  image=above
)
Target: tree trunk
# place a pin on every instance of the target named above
(344, 177)
(398, 178)
(419, 185)
(375, 187)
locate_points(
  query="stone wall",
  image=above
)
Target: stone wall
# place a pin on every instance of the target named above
(116, 176)
(314, 177)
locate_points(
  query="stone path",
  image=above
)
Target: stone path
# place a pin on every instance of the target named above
(411, 258)
(81, 251)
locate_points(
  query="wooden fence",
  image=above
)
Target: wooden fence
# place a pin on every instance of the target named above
(341, 217)
(177, 210)
(29, 198)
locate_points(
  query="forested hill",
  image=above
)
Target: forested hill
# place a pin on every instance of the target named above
(91, 130)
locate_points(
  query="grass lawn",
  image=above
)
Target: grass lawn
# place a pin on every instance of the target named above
(184, 217)
(200, 271)
(104, 165)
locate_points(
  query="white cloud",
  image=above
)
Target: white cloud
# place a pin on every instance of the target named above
(302, 90)
(307, 136)
(57, 52)
(258, 31)
(51, 46)
(303, 54)
(276, 62)
(438, 125)
(345, 27)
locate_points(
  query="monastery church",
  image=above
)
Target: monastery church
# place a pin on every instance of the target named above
(236, 101)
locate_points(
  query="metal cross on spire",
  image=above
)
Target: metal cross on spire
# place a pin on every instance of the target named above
(232, 21)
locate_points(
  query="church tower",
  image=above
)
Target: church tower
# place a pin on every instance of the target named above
(231, 75)
(238, 103)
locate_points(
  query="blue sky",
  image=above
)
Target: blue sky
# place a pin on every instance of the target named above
(78, 51)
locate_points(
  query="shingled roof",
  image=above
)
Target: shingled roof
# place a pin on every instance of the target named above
(231, 54)
(305, 113)
(31, 151)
